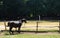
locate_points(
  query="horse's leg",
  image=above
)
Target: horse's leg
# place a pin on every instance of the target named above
(10, 30)
(19, 28)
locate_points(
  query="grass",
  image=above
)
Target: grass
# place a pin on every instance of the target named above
(50, 30)
(6, 35)
(34, 23)
(31, 36)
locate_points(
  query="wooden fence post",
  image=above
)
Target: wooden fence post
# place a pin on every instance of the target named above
(37, 24)
(5, 25)
(59, 26)
(37, 27)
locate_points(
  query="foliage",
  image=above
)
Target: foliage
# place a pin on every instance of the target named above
(16, 8)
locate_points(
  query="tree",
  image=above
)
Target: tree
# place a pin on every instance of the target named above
(14, 8)
(1, 8)
(44, 7)
(30, 8)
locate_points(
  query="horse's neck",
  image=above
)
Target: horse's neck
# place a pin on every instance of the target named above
(20, 21)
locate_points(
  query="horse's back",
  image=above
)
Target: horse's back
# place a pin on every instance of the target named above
(12, 24)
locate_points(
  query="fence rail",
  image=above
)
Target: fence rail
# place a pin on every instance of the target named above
(37, 25)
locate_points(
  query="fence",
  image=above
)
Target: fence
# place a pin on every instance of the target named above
(35, 25)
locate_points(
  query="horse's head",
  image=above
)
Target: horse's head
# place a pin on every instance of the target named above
(24, 20)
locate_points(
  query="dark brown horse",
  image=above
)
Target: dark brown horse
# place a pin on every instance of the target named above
(15, 24)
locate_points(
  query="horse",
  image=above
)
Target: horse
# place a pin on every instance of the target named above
(15, 24)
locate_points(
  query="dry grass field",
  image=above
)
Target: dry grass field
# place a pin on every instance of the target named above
(31, 25)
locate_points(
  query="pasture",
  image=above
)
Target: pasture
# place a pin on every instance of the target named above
(31, 36)
(31, 26)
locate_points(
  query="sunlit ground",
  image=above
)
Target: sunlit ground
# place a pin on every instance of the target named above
(31, 26)
(31, 36)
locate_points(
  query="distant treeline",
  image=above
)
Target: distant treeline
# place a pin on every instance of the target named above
(29, 9)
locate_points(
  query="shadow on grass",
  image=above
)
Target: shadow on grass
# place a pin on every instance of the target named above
(26, 31)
